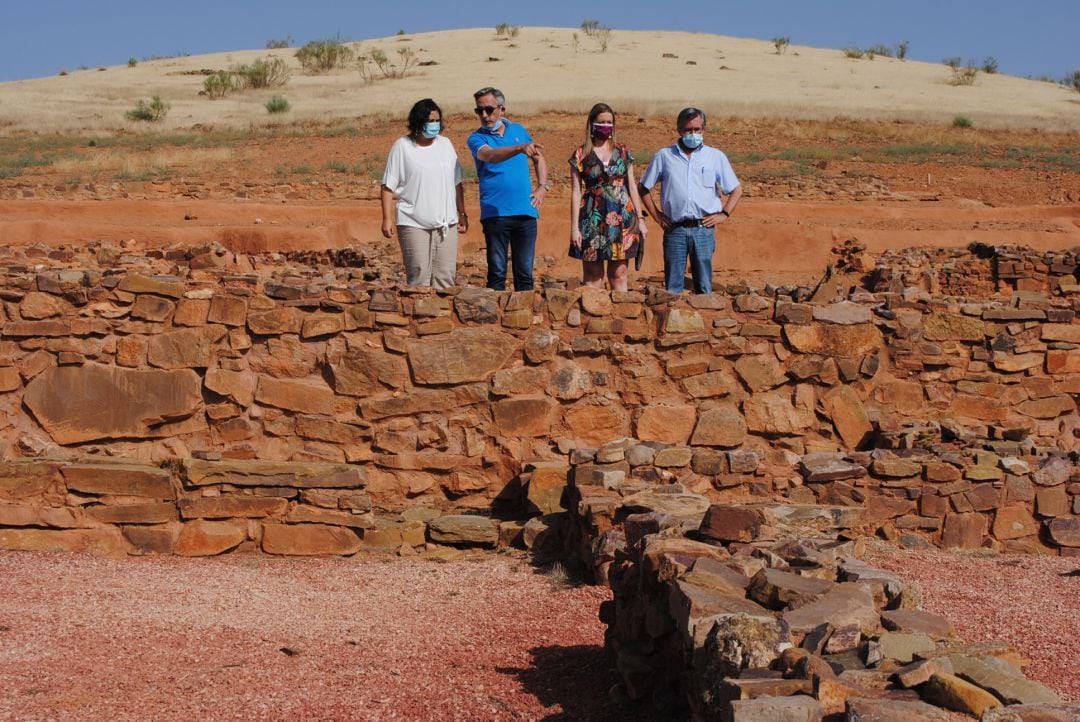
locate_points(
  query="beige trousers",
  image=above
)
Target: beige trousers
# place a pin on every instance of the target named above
(430, 255)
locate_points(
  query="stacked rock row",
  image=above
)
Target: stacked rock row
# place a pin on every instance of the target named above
(958, 272)
(206, 507)
(927, 492)
(445, 397)
(740, 617)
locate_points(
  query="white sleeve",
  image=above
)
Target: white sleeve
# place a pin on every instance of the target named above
(395, 167)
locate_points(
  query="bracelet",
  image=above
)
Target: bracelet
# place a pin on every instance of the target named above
(725, 213)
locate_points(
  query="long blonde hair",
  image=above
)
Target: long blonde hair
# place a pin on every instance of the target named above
(597, 109)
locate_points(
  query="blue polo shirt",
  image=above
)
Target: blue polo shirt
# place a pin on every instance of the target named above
(505, 188)
(689, 182)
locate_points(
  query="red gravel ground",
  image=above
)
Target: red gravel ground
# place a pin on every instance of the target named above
(260, 638)
(485, 638)
(1033, 602)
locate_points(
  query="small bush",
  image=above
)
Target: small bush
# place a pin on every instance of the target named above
(962, 121)
(507, 30)
(277, 104)
(1073, 81)
(990, 65)
(901, 49)
(962, 74)
(407, 59)
(279, 43)
(600, 34)
(271, 73)
(151, 112)
(781, 43)
(320, 56)
(883, 50)
(132, 62)
(219, 84)
(853, 52)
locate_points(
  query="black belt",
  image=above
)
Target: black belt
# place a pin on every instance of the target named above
(689, 223)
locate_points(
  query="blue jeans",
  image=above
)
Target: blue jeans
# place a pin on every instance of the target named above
(699, 243)
(515, 235)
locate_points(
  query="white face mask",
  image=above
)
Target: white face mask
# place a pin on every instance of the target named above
(693, 140)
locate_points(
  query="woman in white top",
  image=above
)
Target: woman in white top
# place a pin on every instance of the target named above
(424, 176)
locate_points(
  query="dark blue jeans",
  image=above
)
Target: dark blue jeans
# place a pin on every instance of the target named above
(699, 244)
(515, 235)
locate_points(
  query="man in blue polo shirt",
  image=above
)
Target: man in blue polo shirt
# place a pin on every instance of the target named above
(509, 206)
(694, 179)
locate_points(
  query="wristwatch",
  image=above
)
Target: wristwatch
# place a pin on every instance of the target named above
(546, 186)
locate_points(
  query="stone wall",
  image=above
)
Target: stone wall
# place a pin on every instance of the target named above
(440, 401)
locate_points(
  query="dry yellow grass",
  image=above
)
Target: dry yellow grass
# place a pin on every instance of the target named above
(543, 69)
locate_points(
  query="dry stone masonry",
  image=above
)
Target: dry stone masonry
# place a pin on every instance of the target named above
(198, 400)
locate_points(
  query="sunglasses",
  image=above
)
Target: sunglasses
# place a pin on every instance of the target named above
(486, 109)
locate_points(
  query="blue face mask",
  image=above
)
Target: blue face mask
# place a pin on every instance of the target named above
(495, 128)
(692, 140)
(431, 129)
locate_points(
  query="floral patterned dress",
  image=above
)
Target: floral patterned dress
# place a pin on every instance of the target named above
(608, 220)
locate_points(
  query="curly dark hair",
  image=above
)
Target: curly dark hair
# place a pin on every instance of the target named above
(420, 113)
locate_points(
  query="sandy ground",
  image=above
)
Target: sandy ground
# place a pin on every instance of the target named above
(555, 68)
(379, 638)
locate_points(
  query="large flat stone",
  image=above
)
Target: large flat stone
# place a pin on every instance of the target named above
(232, 506)
(893, 710)
(104, 541)
(298, 475)
(309, 540)
(828, 339)
(76, 404)
(203, 538)
(1003, 680)
(21, 479)
(310, 397)
(119, 480)
(465, 529)
(798, 708)
(849, 603)
(466, 355)
(364, 371)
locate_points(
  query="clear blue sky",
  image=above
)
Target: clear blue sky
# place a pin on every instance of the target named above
(39, 37)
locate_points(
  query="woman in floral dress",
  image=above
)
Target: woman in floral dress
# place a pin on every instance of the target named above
(606, 219)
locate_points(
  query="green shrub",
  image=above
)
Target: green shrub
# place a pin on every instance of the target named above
(990, 65)
(406, 60)
(883, 50)
(320, 56)
(962, 74)
(219, 84)
(279, 43)
(277, 104)
(150, 112)
(901, 49)
(781, 43)
(853, 52)
(507, 30)
(962, 121)
(132, 62)
(270, 73)
(600, 34)
(1073, 81)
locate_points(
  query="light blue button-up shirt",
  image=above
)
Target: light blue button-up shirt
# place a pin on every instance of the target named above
(689, 182)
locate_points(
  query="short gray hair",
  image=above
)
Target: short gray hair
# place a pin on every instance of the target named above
(499, 97)
(688, 114)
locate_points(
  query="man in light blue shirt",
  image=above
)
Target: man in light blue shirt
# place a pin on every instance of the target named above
(694, 178)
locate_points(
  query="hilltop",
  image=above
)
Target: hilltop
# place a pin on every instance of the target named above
(542, 69)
